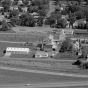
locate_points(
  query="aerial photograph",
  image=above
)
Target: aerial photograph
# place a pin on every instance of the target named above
(43, 43)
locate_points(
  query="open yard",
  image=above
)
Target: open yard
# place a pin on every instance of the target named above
(21, 37)
(62, 66)
(32, 29)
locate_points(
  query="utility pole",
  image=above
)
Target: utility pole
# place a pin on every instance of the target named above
(42, 44)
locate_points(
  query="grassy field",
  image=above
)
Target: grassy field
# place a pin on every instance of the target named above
(52, 66)
(62, 66)
(21, 37)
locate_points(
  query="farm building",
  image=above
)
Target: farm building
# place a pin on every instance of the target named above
(16, 50)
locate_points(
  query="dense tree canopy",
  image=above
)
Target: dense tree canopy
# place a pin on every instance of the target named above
(14, 13)
(27, 20)
(66, 45)
(6, 4)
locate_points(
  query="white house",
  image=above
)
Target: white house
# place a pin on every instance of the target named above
(16, 50)
(20, 2)
(24, 9)
(41, 54)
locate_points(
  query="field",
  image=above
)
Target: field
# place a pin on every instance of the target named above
(60, 66)
(21, 37)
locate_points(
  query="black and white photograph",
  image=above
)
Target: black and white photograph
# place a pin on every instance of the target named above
(43, 43)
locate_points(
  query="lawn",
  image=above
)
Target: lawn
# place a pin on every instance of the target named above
(21, 37)
(9, 31)
(32, 29)
(59, 66)
(66, 67)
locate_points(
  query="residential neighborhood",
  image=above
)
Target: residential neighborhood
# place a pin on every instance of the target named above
(44, 43)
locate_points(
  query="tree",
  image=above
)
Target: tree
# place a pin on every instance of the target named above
(25, 2)
(40, 20)
(39, 2)
(79, 15)
(15, 20)
(5, 26)
(50, 21)
(27, 20)
(72, 19)
(32, 9)
(14, 13)
(73, 8)
(55, 15)
(66, 45)
(85, 10)
(61, 23)
(6, 4)
(42, 12)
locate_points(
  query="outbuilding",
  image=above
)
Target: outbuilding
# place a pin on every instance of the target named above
(17, 50)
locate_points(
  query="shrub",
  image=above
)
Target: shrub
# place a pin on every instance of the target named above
(78, 62)
(84, 65)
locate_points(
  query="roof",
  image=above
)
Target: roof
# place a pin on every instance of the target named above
(17, 49)
(81, 31)
(41, 53)
(81, 20)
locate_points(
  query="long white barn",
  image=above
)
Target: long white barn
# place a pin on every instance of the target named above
(17, 50)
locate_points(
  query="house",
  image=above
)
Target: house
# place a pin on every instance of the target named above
(81, 21)
(15, 7)
(63, 3)
(73, 2)
(41, 54)
(35, 15)
(29, 3)
(69, 31)
(81, 32)
(20, 2)
(1, 7)
(24, 9)
(2, 17)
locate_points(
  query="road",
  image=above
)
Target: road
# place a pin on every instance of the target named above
(52, 8)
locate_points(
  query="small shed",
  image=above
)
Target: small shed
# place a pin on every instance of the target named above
(16, 50)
